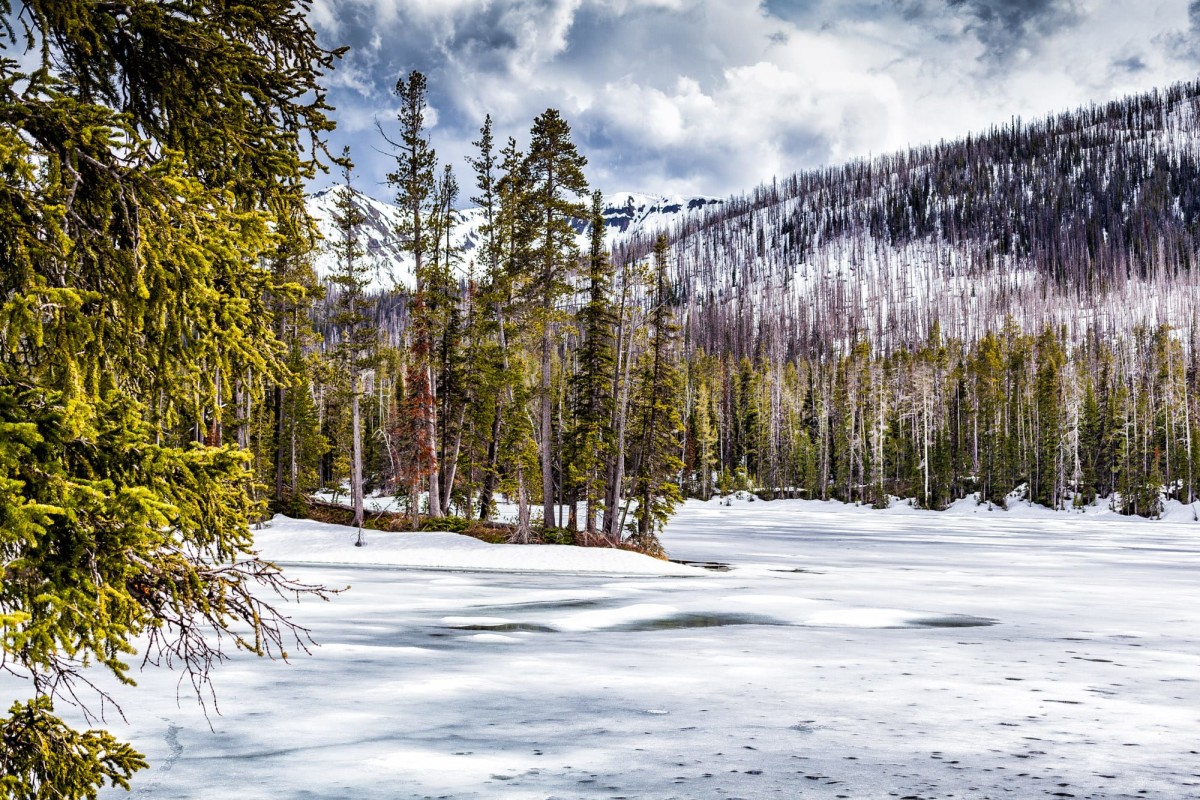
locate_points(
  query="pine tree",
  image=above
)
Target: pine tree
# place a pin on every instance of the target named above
(357, 342)
(591, 441)
(555, 173)
(1091, 443)
(492, 301)
(1047, 483)
(510, 290)
(627, 335)
(144, 185)
(292, 445)
(657, 467)
(300, 446)
(703, 437)
(415, 447)
(454, 389)
(415, 190)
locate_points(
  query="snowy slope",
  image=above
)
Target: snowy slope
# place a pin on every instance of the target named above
(1014, 222)
(626, 214)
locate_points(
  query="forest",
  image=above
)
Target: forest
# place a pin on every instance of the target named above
(509, 368)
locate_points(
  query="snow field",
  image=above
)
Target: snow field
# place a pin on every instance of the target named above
(847, 654)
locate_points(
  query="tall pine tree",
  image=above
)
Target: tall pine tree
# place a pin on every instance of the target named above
(591, 442)
(148, 162)
(657, 465)
(415, 191)
(554, 169)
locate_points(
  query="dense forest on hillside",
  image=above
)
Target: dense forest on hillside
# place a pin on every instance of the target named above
(1087, 220)
(1035, 416)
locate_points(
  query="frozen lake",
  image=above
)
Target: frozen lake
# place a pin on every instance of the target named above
(847, 654)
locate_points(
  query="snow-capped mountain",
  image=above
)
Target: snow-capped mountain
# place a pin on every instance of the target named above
(626, 214)
(629, 213)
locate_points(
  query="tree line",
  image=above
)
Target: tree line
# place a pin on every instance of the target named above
(523, 368)
(1011, 416)
(600, 387)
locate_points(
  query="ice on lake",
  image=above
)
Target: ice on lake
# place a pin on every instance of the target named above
(846, 654)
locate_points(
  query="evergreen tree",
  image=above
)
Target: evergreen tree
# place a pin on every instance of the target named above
(357, 342)
(415, 191)
(1047, 475)
(300, 446)
(591, 442)
(511, 288)
(492, 301)
(658, 465)
(702, 435)
(453, 388)
(554, 170)
(144, 185)
(288, 445)
(1091, 444)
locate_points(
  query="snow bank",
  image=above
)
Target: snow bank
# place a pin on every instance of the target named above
(295, 541)
(967, 507)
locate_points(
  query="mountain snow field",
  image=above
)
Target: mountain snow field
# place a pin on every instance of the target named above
(845, 653)
(626, 214)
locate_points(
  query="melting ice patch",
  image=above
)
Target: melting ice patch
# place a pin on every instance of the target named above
(893, 618)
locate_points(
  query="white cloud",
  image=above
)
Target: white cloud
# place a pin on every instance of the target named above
(714, 96)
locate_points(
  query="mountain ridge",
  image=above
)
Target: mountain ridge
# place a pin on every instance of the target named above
(626, 215)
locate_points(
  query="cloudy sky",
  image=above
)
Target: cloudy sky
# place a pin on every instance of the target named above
(715, 96)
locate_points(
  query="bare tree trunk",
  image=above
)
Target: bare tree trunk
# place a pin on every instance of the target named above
(279, 400)
(614, 526)
(1187, 432)
(241, 400)
(493, 459)
(216, 432)
(452, 462)
(435, 493)
(522, 534)
(926, 413)
(611, 476)
(589, 522)
(546, 427)
(414, 501)
(295, 465)
(356, 467)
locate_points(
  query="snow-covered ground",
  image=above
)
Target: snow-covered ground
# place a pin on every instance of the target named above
(847, 654)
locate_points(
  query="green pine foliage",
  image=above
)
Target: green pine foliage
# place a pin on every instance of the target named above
(41, 758)
(356, 348)
(657, 463)
(144, 189)
(590, 442)
(419, 229)
(555, 185)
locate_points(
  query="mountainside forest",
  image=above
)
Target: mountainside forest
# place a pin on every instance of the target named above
(1013, 312)
(1086, 221)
